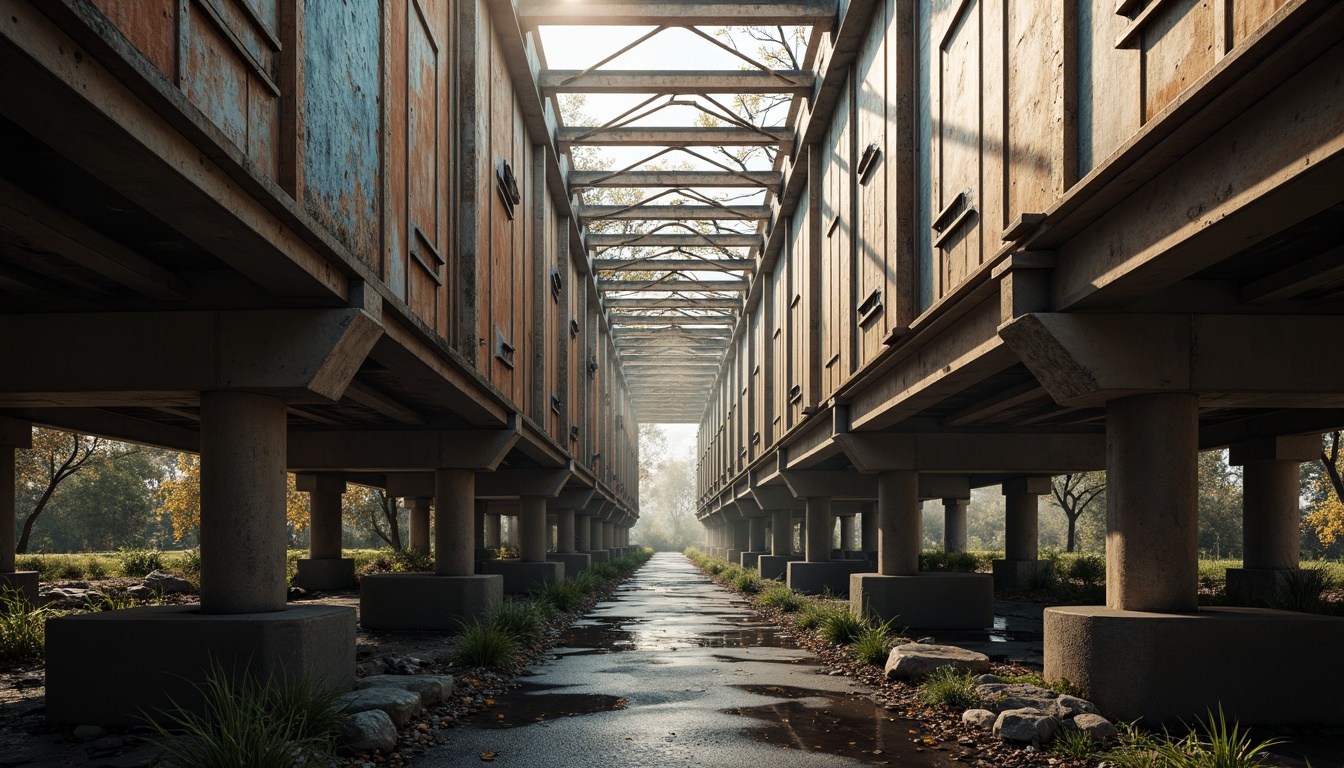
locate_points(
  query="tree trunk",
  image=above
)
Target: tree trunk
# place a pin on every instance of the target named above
(1073, 522)
(393, 526)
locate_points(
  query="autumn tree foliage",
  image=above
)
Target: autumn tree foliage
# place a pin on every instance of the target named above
(54, 458)
(180, 497)
(1326, 517)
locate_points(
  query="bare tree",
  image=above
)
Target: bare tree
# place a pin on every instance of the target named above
(1075, 494)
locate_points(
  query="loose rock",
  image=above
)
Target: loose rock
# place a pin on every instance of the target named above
(167, 583)
(432, 688)
(1099, 728)
(1025, 725)
(913, 661)
(370, 730)
(980, 719)
(89, 732)
(399, 704)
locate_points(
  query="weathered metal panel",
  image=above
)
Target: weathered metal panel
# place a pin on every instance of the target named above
(837, 262)
(798, 338)
(1250, 15)
(150, 25)
(1033, 80)
(958, 137)
(1108, 84)
(1177, 44)
(342, 122)
(873, 286)
(926, 205)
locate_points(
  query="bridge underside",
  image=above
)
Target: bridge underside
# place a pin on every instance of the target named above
(881, 252)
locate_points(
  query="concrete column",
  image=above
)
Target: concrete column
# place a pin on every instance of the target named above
(324, 520)
(532, 530)
(741, 536)
(565, 538)
(420, 523)
(817, 547)
(583, 533)
(478, 524)
(868, 529)
(595, 532)
(781, 532)
(1152, 545)
(7, 513)
(846, 533)
(1270, 515)
(242, 503)
(492, 531)
(954, 525)
(756, 533)
(1021, 525)
(898, 523)
(454, 518)
(608, 534)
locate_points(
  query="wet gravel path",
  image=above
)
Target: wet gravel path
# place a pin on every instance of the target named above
(674, 670)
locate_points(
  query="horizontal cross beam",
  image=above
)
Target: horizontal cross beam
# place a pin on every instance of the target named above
(644, 13)
(671, 136)
(688, 82)
(584, 179)
(673, 285)
(624, 318)
(672, 212)
(663, 240)
(675, 302)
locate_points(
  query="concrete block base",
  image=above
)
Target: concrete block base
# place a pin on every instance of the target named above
(774, 566)
(1265, 667)
(751, 559)
(1016, 575)
(927, 600)
(1253, 586)
(425, 601)
(106, 668)
(815, 578)
(485, 554)
(575, 562)
(331, 575)
(618, 553)
(21, 581)
(598, 556)
(861, 554)
(733, 555)
(520, 577)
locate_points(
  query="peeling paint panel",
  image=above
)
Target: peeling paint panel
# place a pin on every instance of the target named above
(342, 121)
(150, 25)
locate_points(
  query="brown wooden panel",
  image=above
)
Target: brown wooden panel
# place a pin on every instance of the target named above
(837, 265)
(1249, 15)
(1108, 84)
(1178, 48)
(798, 335)
(1033, 78)
(872, 250)
(957, 131)
(150, 25)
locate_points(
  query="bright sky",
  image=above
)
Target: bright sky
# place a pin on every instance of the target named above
(680, 439)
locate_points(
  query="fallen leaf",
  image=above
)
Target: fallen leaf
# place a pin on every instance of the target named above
(488, 756)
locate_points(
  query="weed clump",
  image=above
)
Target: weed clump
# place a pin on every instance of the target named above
(139, 562)
(564, 596)
(781, 597)
(481, 644)
(950, 688)
(23, 627)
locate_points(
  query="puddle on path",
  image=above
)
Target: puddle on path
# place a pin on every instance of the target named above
(535, 704)
(848, 726)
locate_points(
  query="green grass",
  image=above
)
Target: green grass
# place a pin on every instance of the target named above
(108, 601)
(815, 612)
(1212, 743)
(522, 621)
(781, 597)
(248, 723)
(748, 581)
(957, 562)
(481, 644)
(950, 688)
(842, 627)
(23, 628)
(1074, 743)
(1304, 591)
(874, 644)
(564, 596)
(140, 562)
(1062, 687)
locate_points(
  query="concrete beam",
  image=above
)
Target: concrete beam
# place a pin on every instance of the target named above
(688, 82)
(973, 452)
(515, 483)
(819, 13)
(655, 179)
(1088, 359)
(675, 240)
(831, 484)
(673, 136)
(169, 357)
(390, 451)
(16, 433)
(673, 212)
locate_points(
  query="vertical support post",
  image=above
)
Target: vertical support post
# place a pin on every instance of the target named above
(420, 523)
(954, 524)
(898, 523)
(242, 503)
(1021, 524)
(478, 524)
(583, 531)
(846, 533)
(454, 510)
(565, 535)
(7, 508)
(756, 533)
(817, 546)
(1152, 545)
(532, 530)
(1270, 515)
(595, 528)
(324, 519)
(781, 532)
(868, 528)
(492, 531)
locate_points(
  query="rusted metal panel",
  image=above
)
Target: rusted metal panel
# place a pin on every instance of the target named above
(1177, 44)
(150, 25)
(342, 122)
(1248, 15)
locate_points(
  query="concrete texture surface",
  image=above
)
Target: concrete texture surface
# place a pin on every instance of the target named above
(925, 601)
(676, 671)
(426, 601)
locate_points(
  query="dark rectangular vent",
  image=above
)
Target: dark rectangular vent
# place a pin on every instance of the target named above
(503, 349)
(507, 186)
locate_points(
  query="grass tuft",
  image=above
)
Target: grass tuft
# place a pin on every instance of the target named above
(1213, 743)
(140, 562)
(23, 627)
(815, 612)
(748, 581)
(842, 627)
(1303, 590)
(874, 644)
(950, 688)
(481, 644)
(564, 596)
(781, 597)
(1074, 743)
(521, 621)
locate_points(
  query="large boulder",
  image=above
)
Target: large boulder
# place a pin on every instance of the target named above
(432, 688)
(167, 584)
(399, 704)
(1099, 728)
(369, 731)
(913, 662)
(1027, 726)
(1001, 697)
(979, 719)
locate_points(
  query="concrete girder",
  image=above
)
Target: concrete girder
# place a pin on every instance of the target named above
(646, 179)
(390, 451)
(973, 453)
(689, 82)
(626, 13)
(673, 212)
(676, 240)
(844, 484)
(682, 284)
(515, 483)
(674, 265)
(1088, 359)
(300, 355)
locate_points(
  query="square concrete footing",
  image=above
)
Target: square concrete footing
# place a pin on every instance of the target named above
(1254, 586)
(484, 554)
(1264, 667)
(426, 601)
(108, 668)
(575, 562)
(520, 577)
(751, 559)
(598, 556)
(1017, 575)
(926, 600)
(815, 578)
(733, 556)
(773, 566)
(861, 554)
(21, 581)
(326, 575)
